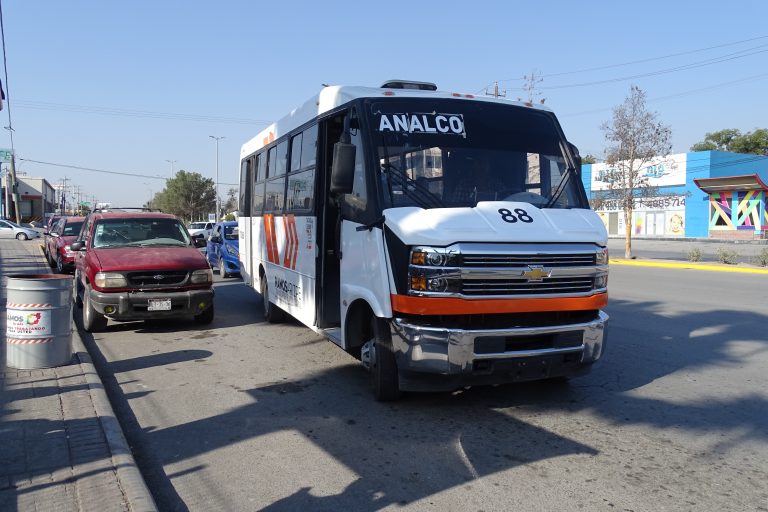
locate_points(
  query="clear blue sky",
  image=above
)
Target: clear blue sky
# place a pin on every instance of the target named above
(127, 86)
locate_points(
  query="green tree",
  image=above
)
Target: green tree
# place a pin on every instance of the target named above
(230, 205)
(635, 138)
(588, 159)
(188, 195)
(731, 139)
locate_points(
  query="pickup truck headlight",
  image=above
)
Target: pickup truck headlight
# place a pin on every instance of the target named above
(110, 280)
(201, 276)
(232, 251)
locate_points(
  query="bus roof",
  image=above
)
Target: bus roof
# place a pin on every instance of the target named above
(336, 95)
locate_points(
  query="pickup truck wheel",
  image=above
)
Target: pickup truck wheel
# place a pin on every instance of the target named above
(76, 291)
(383, 376)
(93, 321)
(49, 258)
(59, 264)
(222, 269)
(205, 317)
(272, 313)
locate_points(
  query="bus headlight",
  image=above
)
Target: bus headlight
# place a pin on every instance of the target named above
(424, 256)
(437, 280)
(601, 257)
(601, 281)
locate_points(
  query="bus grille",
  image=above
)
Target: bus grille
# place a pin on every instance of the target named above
(552, 285)
(524, 260)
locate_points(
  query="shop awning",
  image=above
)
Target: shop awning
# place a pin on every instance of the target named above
(745, 182)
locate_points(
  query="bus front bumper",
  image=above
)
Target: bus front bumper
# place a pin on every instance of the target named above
(439, 359)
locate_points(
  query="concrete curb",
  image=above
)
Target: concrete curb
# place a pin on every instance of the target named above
(132, 483)
(128, 475)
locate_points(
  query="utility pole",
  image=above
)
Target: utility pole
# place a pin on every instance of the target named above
(218, 206)
(496, 93)
(530, 86)
(13, 185)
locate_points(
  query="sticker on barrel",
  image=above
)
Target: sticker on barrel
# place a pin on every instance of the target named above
(28, 322)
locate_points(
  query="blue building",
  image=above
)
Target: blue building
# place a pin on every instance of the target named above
(705, 194)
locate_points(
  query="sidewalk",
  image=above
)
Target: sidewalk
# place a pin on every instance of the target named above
(61, 446)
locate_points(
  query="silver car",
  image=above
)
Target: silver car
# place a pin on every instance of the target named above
(10, 229)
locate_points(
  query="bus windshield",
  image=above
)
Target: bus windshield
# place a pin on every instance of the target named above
(455, 153)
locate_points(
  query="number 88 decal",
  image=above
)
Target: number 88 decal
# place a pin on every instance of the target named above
(519, 214)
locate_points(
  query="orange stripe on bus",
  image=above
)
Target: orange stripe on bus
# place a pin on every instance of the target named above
(296, 241)
(270, 237)
(457, 306)
(288, 243)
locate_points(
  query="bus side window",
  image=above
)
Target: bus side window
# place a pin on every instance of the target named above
(295, 153)
(309, 147)
(258, 187)
(358, 199)
(246, 179)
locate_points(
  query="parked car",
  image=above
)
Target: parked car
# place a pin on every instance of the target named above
(223, 248)
(139, 266)
(201, 229)
(57, 249)
(49, 225)
(10, 229)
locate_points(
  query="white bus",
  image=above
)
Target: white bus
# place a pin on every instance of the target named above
(443, 239)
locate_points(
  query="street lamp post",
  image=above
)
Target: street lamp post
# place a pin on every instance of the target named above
(218, 205)
(173, 172)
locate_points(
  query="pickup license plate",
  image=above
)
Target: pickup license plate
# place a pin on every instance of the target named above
(159, 305)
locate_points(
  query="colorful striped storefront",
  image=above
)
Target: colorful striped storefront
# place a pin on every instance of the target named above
(737, 206)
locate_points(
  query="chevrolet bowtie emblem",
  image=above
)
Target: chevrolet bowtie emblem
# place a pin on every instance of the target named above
(536, 273)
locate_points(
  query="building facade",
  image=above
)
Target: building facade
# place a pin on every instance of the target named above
(705, 194)
(36, 198)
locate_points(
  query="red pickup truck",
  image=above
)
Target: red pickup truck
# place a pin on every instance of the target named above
(139, 266)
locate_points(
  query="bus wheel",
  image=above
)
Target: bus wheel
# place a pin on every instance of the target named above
(272, 313)
(382, 364)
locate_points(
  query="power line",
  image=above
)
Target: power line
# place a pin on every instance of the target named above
(685, 67)
(642, 61)
(114, 111)
(104, 171)
(676, 95)
(79, 168)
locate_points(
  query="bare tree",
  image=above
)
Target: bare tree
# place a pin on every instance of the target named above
(635, 138)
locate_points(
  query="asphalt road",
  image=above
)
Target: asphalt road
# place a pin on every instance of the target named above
(245, 415)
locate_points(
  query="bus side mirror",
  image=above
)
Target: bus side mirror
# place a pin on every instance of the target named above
(576, 157)
(343, 169)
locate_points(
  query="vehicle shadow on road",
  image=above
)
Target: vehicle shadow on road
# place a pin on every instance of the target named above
(427, 443)
(150, 465)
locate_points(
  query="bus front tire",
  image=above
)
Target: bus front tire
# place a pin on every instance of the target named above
(272, 313)
(383, 373)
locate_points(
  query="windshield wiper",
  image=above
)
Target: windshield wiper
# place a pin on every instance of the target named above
(411, 188)
(560, 188)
